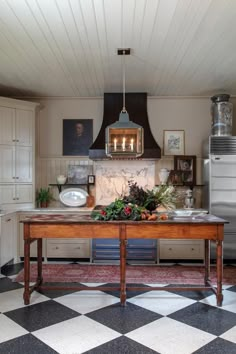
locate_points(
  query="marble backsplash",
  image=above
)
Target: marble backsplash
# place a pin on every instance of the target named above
(112, 178)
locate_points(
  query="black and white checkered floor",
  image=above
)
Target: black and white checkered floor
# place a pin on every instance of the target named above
(93, 322)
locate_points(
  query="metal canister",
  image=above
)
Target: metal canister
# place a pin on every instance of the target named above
(222, 115)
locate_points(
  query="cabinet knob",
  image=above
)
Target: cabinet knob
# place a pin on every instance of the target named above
(192, 249)
(8, 220)
(17, 177)
(13, 139)
(170, 249)
(78, 248)
(57, 248)
(13, 198)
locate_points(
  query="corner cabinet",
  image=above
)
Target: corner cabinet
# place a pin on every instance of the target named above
(8, 239)
(17, 152)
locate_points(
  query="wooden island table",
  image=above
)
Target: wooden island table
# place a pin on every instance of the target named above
(205, 227)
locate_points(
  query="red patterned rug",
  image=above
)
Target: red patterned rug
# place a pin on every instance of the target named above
(89, 273)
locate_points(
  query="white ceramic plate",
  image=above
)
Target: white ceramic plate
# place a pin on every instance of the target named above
(73, 197)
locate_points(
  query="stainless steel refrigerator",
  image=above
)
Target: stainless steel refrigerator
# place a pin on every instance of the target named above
(219, 191)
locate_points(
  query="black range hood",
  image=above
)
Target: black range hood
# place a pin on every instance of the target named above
(136, 105)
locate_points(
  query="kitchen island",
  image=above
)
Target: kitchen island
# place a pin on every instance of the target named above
(204, 227)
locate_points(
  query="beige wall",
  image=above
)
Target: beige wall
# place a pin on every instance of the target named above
(189, 114)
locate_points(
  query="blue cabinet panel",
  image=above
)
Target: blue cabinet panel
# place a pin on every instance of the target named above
(137, 249)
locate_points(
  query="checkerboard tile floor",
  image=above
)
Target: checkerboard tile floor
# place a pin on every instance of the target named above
(71, 322)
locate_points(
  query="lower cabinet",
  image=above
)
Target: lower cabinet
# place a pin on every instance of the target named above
(68, 248)
(136, 250)
(181, 249)
(8, 240)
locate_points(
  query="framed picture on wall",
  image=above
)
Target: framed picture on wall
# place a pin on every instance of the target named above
(175, 177)
(187, 165)
(91, 179)
(77, 136)
(173, 142)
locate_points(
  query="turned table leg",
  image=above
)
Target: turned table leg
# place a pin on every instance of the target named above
(123, 243)
(207, 261)
(26, 295)
(39, 260)
(219, 269)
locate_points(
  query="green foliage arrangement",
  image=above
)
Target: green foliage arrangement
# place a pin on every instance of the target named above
(118, 210)
(131, 207)
(43, 195)
(164, 195)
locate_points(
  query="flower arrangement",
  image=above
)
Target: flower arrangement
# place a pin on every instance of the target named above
(118, 210)
(139, 204)
(164, 195)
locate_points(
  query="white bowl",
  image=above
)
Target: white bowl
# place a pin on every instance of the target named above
(61, 179)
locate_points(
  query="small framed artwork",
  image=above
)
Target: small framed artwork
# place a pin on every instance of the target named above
(173, 142)
(187, 165)
(91, 179)
(78, 174)
(175, 177)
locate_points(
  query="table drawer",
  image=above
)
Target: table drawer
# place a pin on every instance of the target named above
(68, 249)
(179, 249)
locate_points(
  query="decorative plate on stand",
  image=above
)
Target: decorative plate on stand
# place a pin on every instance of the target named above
(73, 197)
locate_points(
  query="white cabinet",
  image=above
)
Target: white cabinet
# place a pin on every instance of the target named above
(17, 162)
(8, 239)
(16, 193)
(181, 249)
(17, 152)
(17, 125)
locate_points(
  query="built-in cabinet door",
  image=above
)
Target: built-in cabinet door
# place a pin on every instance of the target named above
(7, 123)
(8, 239)
(7, 194)
(24, 193)
(23, 163)
(24, 127)
(20, 193)
(7, 159)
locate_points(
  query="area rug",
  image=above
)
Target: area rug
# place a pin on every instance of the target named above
(90, 273)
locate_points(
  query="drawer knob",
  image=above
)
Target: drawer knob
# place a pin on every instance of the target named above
(192, 249)
(170, 249)
(78, 248)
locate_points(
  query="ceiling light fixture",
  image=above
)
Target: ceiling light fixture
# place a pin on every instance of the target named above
(124, 138)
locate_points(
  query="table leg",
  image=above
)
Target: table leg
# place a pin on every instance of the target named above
(26, 295)
(219, 269)
(123, 243)
(207, 261)
(39, 260)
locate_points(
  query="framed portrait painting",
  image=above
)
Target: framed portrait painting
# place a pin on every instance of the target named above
(77, 136)
(173, 142)
(187, 165)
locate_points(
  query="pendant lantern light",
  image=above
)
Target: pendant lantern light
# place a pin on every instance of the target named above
(124, 138)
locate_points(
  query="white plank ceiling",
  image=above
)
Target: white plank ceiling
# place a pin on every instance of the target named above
(69, 47)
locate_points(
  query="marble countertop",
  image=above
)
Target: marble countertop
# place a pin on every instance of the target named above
(47, 210)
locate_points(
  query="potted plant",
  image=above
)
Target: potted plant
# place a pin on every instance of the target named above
(43, 197)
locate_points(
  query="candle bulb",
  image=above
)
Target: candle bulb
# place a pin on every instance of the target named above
(123, 144)
(115, 144)
(132, 145)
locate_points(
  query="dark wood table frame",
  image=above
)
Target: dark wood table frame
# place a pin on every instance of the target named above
(207, 229)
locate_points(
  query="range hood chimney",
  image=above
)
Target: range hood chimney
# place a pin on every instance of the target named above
(136, 104)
